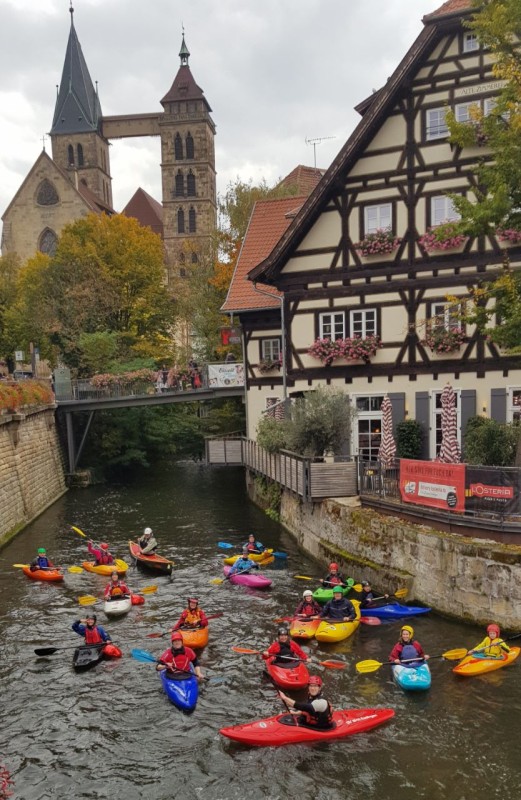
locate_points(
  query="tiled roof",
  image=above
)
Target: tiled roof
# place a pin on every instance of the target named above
(303, 178)
(268, 221)
(146, 210)
(184, 87)
(95, 202)
(450, 7)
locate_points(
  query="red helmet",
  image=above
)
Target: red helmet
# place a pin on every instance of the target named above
(494, 630)
(333, 565)
(193, 600)
(315, 680)
(104, 545)
(176, 636)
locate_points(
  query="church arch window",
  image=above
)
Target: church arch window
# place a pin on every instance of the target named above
(190, 184)
(191, 220)
(70, 155)
(47, 194)
(180, 221)
(194, 258)
(47, 242)
(178, 147)
(189, 146)
(179, 184)
(79, 151)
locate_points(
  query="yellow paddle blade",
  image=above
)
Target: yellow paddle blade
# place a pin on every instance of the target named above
(74, 528)
(21, 566)
(368, 666)
(455, 655)
(120, 565)
(304, 578)
(148, 589)
(357, 587)
(401, 593)
(217, 580)
(75, 570)
(87, 600)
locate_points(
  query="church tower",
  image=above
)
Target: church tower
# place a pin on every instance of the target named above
(78, 144)
(188, 170)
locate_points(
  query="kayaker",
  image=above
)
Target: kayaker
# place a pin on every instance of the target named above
(101, 554)
(333, 577)
(407, 649)
(492, 645)
(308, 607)
(192, 616)
(366, 596)
(41, 561)
(243, 564)
(339, 608)
(179, 657)
(116, 587)
(316, 712)
(147, 543)
(253, 545)
(88, 627)
(284, 649)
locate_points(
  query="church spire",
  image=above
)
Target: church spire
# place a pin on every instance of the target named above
(77, 107)
(184, 53)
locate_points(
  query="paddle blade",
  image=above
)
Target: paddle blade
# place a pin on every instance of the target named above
(216, 616)
(46, 651)
(455, 655)
(143, 655)
(217, 581)
(225, 545)
(304, 578)
(75, 570)
(87, 600)
(282, 619)
(279, 554)
(246, 650)
(148, 590)
(401, 593)
(370, 620)
(21, 566)
(368, 666)
(155, 635)
(333, 664)
(357, 587)
(79, 531)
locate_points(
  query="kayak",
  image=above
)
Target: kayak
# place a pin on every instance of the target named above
(303, 628)
(150, 560)
(394, 611)
(265, 557)
(194, 637)
(292, 675)
(338, 631)
(88, 655)
(43, 574)
(322, 595)
(118, 566)
(416, 679)
(181, 688)
(117, 606)
(282, 728)
(478, 664)
(249, 579)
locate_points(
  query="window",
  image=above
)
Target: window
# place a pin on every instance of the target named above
(436, 426)
(80, 155)
(378, 218)
(363, 322)
(180, 221)
(436, 124)
(514, 405)
(70, 155)
(178, 147)
(191, 221)
(442, 210)
(462, 111)
(194, 258)
(47, 194)
(270, 349)
(189, 146)
(182, 272)
(470, 42)
(446, 315)
(48, 242)
(332, 326)
(367, 428)
(190, 184)
(179, 184)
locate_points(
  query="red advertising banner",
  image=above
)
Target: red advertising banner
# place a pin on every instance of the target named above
(431, 483)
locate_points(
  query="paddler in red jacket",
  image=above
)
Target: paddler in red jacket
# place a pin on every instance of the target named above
(284, 649)
(101, 553)
(192, 616)
(116, 588)
(179, 657)
(333, 577)
(308, 608)
(316, 711)
(407, 651)
(93, 633)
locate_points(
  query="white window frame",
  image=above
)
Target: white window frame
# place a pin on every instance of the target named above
(447, 314)
(378, 217)
(336, 321)
(434, 413)
(470, 43)
(462, 111)
(362, 415)
(448, 212)
(512, 407)
(271, 348)
(438, 129)
(369, 320)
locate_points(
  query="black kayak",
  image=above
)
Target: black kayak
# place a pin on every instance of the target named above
(87, 656)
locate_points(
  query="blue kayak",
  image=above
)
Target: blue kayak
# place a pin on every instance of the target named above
(412, 679)
(394, 611)
(181, 688)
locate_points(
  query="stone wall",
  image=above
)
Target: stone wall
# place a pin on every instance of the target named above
(472, 579)
(31, 468)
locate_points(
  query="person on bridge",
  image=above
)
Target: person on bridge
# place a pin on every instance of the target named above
(88, 627)
(253, 546)
(492, 645)
(308, 607)
(333, 577)
(192, 616)
(316, 712)
(179, 658)
(243, 564)
(339, 608)
(147, 543)
(101, 554)
(366, 596)
(407, 649)
(116, 588)
(41, 561)
(284, 650)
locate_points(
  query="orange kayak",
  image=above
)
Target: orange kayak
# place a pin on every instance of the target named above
(195, 637)
(106, 569)
(43, 574)
(303, 628)
(478, 665)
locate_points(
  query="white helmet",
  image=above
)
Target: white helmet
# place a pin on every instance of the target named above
(148, 531)
(307, 593)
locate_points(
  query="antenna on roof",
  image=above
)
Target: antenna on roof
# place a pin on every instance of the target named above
(314, 142)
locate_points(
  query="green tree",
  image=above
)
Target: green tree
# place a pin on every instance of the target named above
(237, 203)
(409, 437)
(491, 443)
(9, 270)
(271, 434)
(320, 422)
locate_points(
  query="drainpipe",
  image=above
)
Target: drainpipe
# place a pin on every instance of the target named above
(283, 331)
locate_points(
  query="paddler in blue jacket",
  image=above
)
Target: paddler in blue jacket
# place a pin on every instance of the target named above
(407, 651)
(253, 546)
(243, 564)
(339, 608)
(41, 561)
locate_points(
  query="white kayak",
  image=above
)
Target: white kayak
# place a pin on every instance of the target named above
(117, 606)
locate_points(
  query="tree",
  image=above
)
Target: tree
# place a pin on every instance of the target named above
(9, 269)
(320, 422)
(491, 443)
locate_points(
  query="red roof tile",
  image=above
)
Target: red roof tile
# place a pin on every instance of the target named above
(268, 221)
(146, 210)
(303, 178)
(450, 7)
(184, 87)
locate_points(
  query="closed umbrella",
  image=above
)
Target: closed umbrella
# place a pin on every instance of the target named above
(387, 450)
(449, 452)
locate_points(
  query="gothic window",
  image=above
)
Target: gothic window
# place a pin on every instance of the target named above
(178, 147)
(179, 184)
(80, 155)
(180, 221)
(190, 184)
(182, 258)
(189, 146)
(191, 220)
(48, 241)
(70, 151)
(182, 272)
(47, 194)
(194, 258)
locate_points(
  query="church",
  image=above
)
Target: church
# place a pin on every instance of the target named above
(76, 179)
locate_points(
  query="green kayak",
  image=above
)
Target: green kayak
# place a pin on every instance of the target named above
(322, 595)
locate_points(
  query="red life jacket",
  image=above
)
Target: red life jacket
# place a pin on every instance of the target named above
(105, 558)
(179, 661)
(308, 608)
(92, 635)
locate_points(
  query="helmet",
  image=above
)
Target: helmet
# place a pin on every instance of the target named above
(282, 632)
(251, 536)
(41, 550)
(192, 600)
(91, 616)
(365, 583)
(333, 565)
(147, 531)
(315, 680)
(245, 550)
(176, 636)
(307, 593)
(104, 545)
(407, 628)
(494, 627)
(337, 589)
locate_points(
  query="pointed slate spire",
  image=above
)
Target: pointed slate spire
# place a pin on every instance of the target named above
(77, 108)
(184, 86)
(184, 53)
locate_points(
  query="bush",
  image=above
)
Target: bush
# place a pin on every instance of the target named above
(409, 438)
(271, 434)
(31, 393)
(320, 422)
(491, 443)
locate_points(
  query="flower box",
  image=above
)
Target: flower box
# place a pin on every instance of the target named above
(269, 364)
(510, 237)
(443, 237)
(444, 340)
(353, 349)
(381, 242)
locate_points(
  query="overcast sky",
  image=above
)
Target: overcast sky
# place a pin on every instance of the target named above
(275, 72)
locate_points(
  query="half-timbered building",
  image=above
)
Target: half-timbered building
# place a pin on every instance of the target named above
(357, 262)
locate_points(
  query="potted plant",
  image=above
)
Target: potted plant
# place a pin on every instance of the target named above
(352, 349)
(509, 235)
(444, 340)
(381, 242)
(446, 236)
(268, 364)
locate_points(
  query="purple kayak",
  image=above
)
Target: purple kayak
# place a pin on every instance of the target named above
(253, 580)
(394, 611)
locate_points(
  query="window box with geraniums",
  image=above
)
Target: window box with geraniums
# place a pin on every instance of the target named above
(509, 236)
(444, 340)
(354, 349)
(269, 364)
(446, 236)
(381, 242)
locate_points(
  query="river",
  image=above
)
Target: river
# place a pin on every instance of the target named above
(111, 733)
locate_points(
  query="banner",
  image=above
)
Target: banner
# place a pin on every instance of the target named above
(492, 489)
(431, 483)
(231, 336)
(225, 375)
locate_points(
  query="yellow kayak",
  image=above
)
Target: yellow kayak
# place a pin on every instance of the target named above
(478, 664)
(262, 558)
(338, 631)
(106, 569)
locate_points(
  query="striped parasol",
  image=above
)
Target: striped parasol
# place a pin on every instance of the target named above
(387, 451)
(449, 451)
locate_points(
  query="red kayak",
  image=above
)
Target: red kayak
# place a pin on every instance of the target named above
(43, 574)
(293, 675)
(151, 560)
(282, 729)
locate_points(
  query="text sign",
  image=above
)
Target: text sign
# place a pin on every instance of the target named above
(431, 483)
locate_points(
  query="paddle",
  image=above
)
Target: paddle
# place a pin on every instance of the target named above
(28, 566)
(249, 652)
(372, 666)
(356, 586)
(147, 658)
(79, 531)
(227, 577)
(89, 599)
(49, 651)
(269, 551)
(166, 633)
(363, 620)
(399, 593)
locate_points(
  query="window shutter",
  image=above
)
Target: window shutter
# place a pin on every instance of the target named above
(468, 408)
(498, 404)
(398, 403)
(423, 417)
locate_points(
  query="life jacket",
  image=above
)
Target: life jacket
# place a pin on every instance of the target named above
(320, 719)
(308, 608)
(116, 590)
(334, 580)
(105, 558)
(179, 660)
(409, 651)
(42, 562)
(92, 635)
(241, 565)
(192, 617)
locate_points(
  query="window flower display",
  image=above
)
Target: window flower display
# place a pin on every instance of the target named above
(444, 340)
(268, 364)
(380, 242)
(510, 235)
(352, 349)
(443, 237)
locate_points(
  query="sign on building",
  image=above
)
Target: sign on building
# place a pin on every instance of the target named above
(224, 375)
